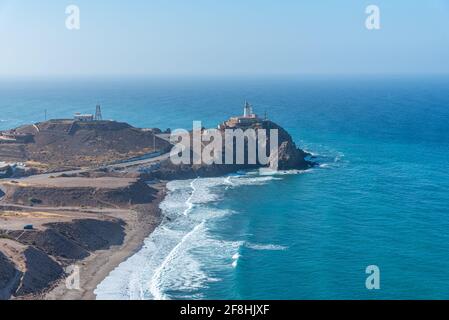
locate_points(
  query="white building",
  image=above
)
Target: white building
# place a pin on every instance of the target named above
(84, 117)
(249, 118)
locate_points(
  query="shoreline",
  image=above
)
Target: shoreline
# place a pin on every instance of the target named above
(95, 268)
(94, 218)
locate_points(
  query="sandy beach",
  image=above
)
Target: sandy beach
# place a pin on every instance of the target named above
(99, 264)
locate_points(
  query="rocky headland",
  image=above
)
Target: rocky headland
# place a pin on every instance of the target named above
(89, 196)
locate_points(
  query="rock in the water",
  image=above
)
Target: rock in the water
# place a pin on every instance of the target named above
(289, 156)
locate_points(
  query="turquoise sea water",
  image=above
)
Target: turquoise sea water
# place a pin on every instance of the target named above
(380, 196)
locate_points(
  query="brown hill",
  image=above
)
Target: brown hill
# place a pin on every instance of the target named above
(88, 192)
(59, 144)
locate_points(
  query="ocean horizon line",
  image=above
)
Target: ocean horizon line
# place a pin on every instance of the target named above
(256, 76)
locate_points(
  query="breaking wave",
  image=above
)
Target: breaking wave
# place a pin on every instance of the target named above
(257, 246)
(171, 262)
(175, 261)
(177, 258)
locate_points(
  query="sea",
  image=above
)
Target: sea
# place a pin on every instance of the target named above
(379, 196)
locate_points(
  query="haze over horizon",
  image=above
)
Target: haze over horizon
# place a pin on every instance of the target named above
(223, 38)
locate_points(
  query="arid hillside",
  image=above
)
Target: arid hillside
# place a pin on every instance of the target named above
(71, 219)
(60, 144)
(65, 192)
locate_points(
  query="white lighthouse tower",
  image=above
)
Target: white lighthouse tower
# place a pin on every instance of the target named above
(248, 110)
(248, 119)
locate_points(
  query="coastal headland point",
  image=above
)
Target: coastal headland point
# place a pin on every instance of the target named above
(86, 191)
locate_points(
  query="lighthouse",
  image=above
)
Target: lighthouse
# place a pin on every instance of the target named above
(248, 119)
(247, 110)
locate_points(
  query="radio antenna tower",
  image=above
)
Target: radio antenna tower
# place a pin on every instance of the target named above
(98, 116)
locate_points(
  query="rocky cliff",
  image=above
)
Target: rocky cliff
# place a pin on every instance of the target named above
(289, 157)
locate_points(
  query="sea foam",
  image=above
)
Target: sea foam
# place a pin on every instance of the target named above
(171, 264)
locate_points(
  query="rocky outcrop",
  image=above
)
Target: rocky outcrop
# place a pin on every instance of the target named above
(289, 157)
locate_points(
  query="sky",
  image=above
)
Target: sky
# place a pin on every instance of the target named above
(223, 37)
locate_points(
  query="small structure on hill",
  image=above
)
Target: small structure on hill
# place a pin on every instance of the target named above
(88, 117)
(248, 119)
(83, 117)
(98, 116)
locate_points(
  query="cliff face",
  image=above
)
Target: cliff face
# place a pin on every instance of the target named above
(289, 157)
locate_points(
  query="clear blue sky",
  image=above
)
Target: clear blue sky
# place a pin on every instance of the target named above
(215, 37)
